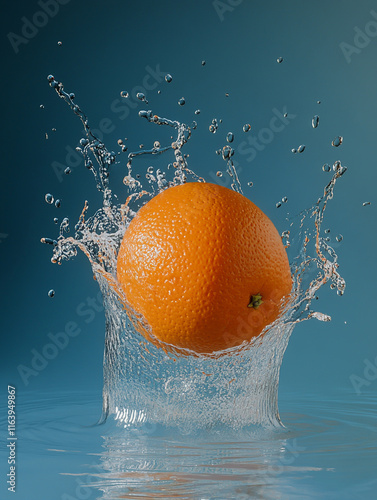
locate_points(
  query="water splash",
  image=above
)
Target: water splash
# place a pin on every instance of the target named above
(144, 383)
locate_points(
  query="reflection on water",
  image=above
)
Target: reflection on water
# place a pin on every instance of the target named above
(327, 450)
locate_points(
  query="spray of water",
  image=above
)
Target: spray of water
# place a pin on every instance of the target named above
(145, 383)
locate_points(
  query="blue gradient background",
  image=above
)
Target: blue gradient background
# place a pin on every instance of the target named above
(106, 48)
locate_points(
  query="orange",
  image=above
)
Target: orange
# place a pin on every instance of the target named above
(204, 267)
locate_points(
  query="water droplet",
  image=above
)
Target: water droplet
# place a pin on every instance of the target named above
(246, 127)
(315, 121)
(56, 220)
(326, 167)
(120, 142)
(168, 78)
(284, 199)
(124, 94)
(181, 101)
(230, 137)
(197, 111)
(285, 115)
(318, 102)
(41, 106)
(156, 145)
(203, 63)
(57, 203)
(250, 184)
(327, 231)
(60, 43)
(226, 94)
(49, 198)
(51, 293)
(337, 165)
(141, 97)
(212, 128)
(339, 238)
(124, 148)
(366, 203)
(294, 151)
(227, 152)
(278, 204)
(337, 141)
(219, 174)
(301, 148)
(279, 60)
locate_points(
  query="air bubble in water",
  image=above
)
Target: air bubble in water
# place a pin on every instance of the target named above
(230, 137)
(203, 63)
(337, 141)
(279, 60)
(156, 145)
(49, 198)
(71, 96)
(284, 199)
(219, 174)
(60, 43)
(57, 203)
(301, 148)
(51, 293)
(339, 238)
(181, 101)
(124, 94)
(327, 231)
(226, 94)
(50, 78)
(41, 106)
(250, 184)
(294, 151)
(246, 127)
(315, 121)
(197, 111)
(326, 167)
(56, 220)
(366, 203)
(278, 204)
(168, 78)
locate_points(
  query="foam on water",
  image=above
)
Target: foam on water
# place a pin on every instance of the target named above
(145, 383)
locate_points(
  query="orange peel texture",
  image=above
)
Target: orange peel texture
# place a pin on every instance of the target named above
(204, 267)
